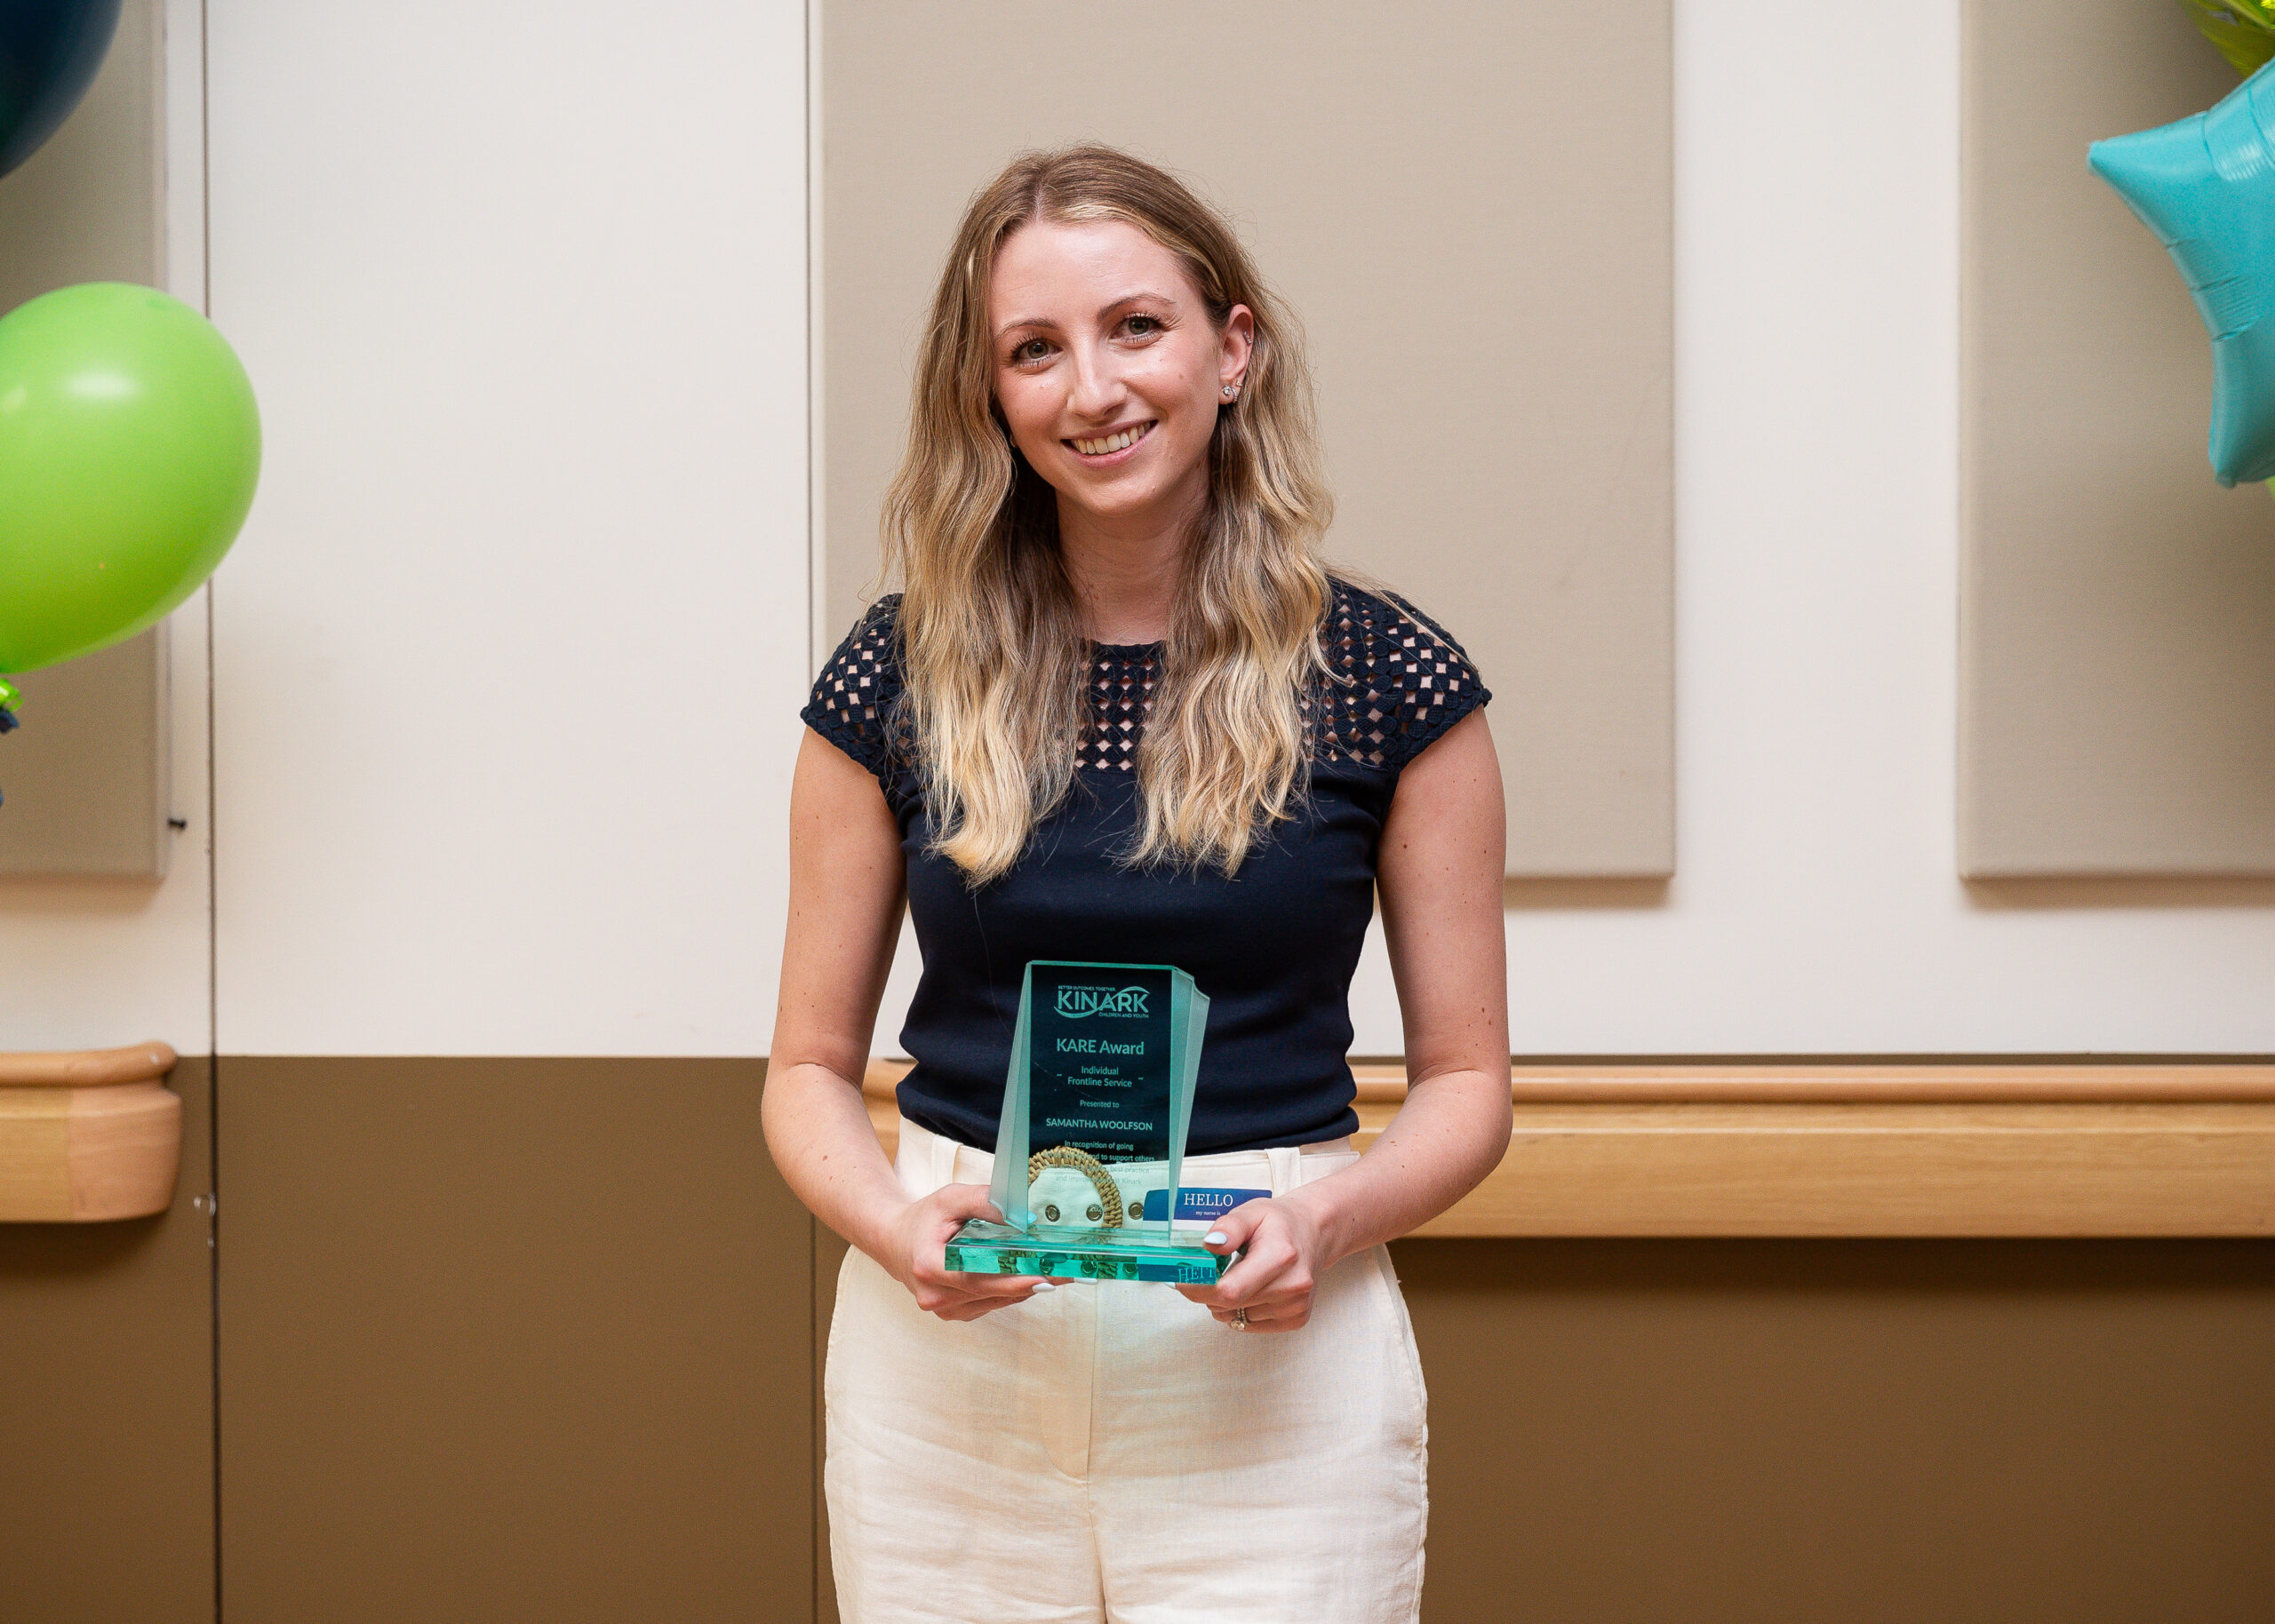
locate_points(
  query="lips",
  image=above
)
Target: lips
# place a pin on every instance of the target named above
(1120, 440)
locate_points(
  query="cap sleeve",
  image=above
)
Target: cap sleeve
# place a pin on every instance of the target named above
(852, 703)
(1401, 681)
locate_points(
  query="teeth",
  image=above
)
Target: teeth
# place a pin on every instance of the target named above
(1112, 443)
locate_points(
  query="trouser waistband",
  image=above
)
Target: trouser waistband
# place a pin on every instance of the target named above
(927, 1162)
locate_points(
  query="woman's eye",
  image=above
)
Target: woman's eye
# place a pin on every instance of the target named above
(1033, 350)
(1144, 326)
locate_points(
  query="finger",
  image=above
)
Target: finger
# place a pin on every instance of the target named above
(956, 1283)
(958, 1202)
(939, 1216)
(1239, 1284)
(1267, 1308)
(1232, 1231)
(973, 1307)
(1017, 1287)
(1281, 1322)
(1266, 1266)
(1002, 1288)
(1284, 1314)
(956, 1294)
(1243, 1231)
(958, 1313)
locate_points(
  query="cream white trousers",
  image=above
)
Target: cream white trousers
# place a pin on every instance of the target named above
(1108, 1451)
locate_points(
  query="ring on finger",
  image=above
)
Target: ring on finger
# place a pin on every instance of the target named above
(1239, 1321)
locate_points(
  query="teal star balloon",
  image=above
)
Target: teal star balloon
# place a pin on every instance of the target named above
(2206, 185)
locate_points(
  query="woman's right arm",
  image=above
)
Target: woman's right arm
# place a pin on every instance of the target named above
(846, 893)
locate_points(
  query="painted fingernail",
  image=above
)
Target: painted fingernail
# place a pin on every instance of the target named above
(1214, 1237)
(1044, 1286)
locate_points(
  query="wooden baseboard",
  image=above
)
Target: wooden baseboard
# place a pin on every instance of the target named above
(89, 1137)
(1911, 1149)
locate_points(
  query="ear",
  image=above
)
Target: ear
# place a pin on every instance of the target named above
(1237, 345)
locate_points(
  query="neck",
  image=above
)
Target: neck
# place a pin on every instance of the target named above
(1126, 568)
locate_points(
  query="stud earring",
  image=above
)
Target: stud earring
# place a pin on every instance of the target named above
(1232, 391)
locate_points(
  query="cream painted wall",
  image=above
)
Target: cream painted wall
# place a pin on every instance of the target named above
(509, 654)
(1816, 906)
(98, 964)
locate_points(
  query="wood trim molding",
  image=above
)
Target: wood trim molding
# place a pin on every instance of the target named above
(89, 1137)
(142, 1062)
(1916, 1149)
(1913, 1082)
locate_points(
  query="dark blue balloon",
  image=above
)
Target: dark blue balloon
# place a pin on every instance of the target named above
(49, 53)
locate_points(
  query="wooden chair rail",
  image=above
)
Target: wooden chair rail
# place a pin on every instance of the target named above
(1911, 1149)
(88, 1136)
(141, 1062)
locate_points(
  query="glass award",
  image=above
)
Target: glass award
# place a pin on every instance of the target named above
(1091, 1144)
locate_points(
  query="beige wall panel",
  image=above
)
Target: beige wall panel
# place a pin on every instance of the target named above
(107, 1408)
(2117, 623)
(1937, 1432)
(1470, 206)
(87, 206)
(511, 1339)
(85, 779)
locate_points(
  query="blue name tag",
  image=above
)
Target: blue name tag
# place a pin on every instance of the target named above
(1203, 1204)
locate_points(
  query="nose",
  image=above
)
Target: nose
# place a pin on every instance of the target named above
(1097, 389)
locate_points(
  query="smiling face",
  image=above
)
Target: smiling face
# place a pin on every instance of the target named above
(1109, 370)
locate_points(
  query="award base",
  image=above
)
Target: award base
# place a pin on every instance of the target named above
(1146, 1254)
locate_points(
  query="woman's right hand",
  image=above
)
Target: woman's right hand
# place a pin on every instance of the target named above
(917, 1250)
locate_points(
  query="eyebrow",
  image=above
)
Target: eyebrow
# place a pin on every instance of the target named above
(1104, 310)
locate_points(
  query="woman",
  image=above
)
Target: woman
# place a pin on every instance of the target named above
(1122, 713)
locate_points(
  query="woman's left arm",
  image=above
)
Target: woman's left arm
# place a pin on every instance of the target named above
(1439, 878)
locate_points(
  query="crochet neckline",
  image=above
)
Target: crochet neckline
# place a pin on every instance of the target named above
(1396, 682)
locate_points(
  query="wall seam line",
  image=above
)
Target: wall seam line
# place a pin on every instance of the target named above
(213, 840)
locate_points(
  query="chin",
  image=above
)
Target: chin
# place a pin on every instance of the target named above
(1114, 501)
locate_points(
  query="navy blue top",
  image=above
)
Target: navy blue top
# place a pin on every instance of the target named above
(1274, 946)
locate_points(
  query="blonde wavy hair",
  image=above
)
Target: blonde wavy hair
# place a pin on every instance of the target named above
(993, 654)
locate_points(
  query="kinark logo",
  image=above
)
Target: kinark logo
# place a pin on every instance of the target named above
(1075, 1003)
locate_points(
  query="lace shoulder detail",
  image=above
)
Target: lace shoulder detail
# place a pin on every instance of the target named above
(1397, 680)
(1400, 680)
(854, 701)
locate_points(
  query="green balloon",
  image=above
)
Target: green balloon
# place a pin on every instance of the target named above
(129, 448)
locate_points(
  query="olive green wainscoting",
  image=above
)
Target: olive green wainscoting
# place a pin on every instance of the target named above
(511, 1340)
(1782, 1431)
(107, 1406)
(540, 1340)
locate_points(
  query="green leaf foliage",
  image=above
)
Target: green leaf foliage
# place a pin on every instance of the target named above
(2243, 29)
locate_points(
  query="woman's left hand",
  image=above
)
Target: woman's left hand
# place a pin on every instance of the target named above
(1274, 1281)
